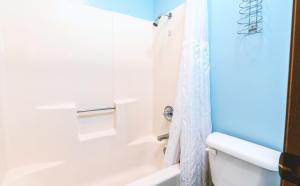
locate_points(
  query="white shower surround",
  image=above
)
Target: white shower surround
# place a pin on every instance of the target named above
(83, 52)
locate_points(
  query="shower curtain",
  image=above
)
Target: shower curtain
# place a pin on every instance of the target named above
(192, 115)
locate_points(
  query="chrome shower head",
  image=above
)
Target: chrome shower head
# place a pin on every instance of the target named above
(156, 21)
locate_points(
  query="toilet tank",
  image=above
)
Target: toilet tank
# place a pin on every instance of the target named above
(236, 162)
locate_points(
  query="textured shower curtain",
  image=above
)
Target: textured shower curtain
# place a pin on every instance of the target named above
(192, 115)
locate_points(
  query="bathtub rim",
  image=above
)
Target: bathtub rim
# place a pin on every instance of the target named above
(158, 177)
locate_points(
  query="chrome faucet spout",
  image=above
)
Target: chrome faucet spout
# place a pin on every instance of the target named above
(163, 137)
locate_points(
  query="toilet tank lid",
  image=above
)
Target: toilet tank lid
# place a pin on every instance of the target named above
(252, 153)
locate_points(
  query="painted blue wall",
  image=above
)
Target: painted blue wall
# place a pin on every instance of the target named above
(138, 8)
(163, 6)
(145, 9)
(249, 75)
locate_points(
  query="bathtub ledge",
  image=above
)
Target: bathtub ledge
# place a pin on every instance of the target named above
(158, 177)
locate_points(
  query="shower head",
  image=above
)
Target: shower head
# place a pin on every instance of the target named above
(156, 21)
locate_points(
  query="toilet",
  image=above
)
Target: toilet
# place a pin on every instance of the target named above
(236, 162)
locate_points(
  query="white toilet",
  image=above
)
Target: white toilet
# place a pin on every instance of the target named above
(235, 162)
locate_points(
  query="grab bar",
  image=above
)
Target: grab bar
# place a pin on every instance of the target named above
(95, 110)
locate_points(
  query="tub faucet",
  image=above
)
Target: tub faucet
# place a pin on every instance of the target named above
(163, 137)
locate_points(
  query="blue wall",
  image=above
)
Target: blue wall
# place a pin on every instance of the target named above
(138, 8)
(248, 74)
(145, 9)
(163, 6)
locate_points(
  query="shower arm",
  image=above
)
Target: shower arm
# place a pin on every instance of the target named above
(156, 21)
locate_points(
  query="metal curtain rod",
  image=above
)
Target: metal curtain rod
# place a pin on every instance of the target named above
(95, 110)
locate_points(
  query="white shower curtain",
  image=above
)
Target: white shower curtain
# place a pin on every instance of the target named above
(192, 115)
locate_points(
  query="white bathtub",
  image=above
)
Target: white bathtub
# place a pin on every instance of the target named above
(58, 154)
(137, 161)
(166, 177)
(61, 174)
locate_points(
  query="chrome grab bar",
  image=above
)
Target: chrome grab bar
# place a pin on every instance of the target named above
(95, 110)
(163, 137)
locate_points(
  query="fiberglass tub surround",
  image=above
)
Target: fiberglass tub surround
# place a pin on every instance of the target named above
(72, 63)
(91, 165)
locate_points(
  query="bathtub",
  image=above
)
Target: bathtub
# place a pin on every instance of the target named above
(166, 177)
(60, 174)
(114, 156)
(137, 161)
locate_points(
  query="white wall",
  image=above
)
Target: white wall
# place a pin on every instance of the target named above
(59, 56)
(2, 137)
(168, 37)
(64, 53)
(133, 68)
(3, 163)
